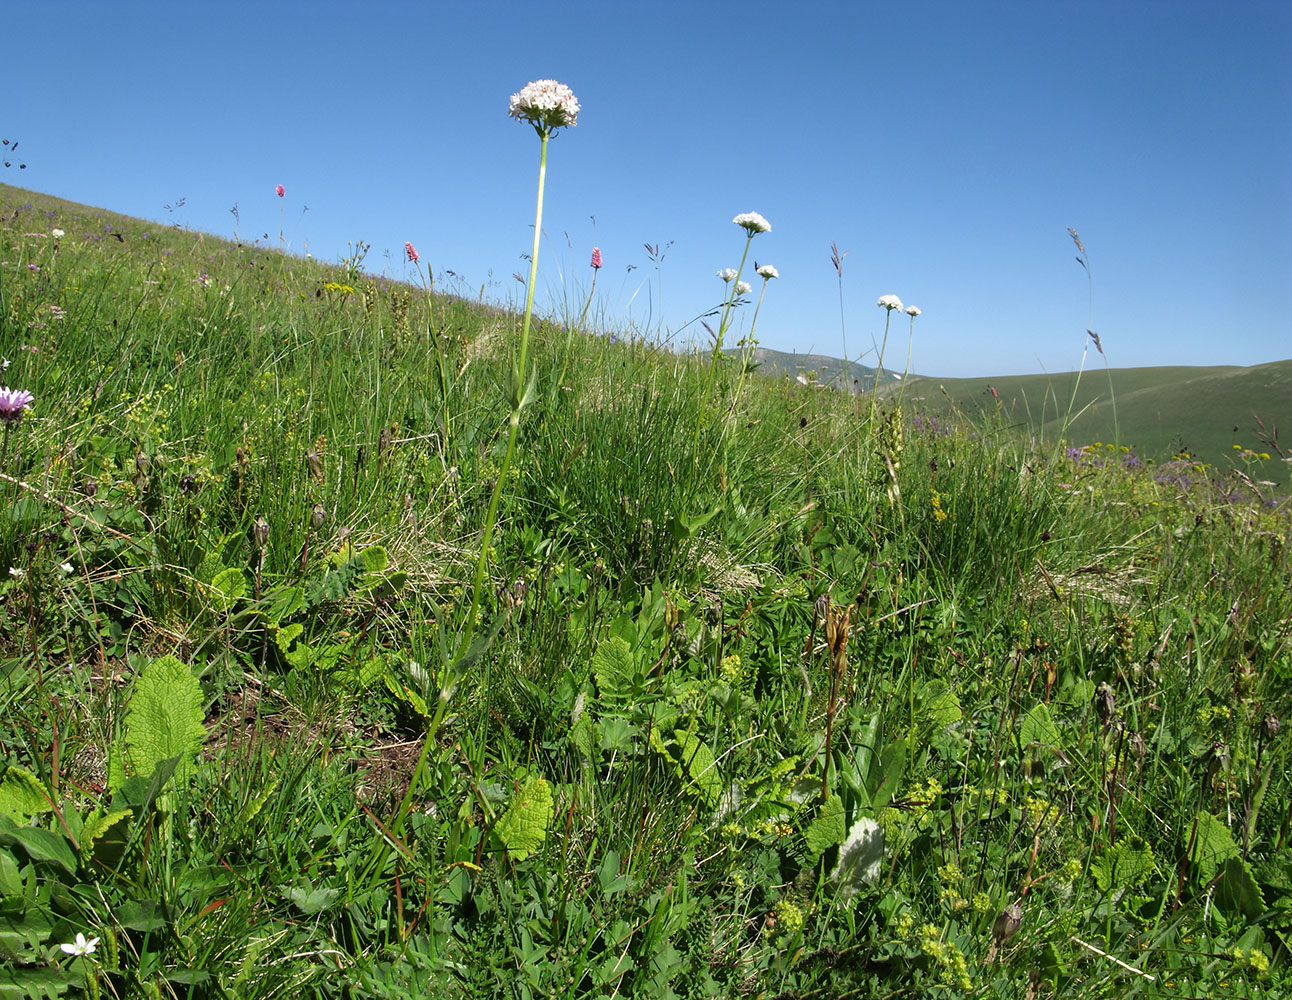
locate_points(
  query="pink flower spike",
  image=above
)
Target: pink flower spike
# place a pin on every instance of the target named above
(411, 250)
(596, 257)
(280, 190)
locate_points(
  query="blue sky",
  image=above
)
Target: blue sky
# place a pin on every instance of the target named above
(945, 145)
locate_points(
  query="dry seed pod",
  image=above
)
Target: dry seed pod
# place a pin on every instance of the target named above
(1007, 923)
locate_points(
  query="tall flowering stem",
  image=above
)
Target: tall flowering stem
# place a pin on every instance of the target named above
(548, 106)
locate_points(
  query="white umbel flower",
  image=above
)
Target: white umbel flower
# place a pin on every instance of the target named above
(913, 311)
(767, 272)
(889, 302)
(753, 222)
(742, 288)
(58, 234)
(547, 104)
(727, 273)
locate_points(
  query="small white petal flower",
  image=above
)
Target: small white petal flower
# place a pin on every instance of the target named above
(767, 272)
(742, 287)
(727, 273)
(67, 568)
(16, 573)
(913, 310)
(753, 222)
(889, 302)
(81, 946)
(58, 234)
(546, 103)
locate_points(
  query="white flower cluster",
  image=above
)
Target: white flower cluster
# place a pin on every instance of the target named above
(913, 311)
(742, 288)
(753, 222)
(58, 234)
(546, 103)
(889, 302)
(767, 272)
(727, 274)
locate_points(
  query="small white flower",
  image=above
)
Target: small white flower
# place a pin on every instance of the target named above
(16, 573)
(889, 302)
(58, 234)
(4, 364)
(546, 103)
(767, 272)
(727, 273)
(913, 310)
(742, 287)
(67, 568)
(81, 946)
(753, 222)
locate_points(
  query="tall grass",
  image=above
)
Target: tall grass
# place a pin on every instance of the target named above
(1062, 686)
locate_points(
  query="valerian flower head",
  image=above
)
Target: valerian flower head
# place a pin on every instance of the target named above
(12, 404)
(767, 272)
(411, 251)
(913, 311)
(742, 288)
(752, 222)
(546, 105)
(727, 274)
(279, 190)
(596, 258)
(889, 302)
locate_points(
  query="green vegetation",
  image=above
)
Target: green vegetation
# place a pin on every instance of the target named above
(759, 697)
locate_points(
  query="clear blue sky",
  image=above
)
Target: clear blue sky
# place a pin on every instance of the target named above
(945, 145)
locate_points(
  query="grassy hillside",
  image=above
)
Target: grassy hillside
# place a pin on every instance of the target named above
(1213, 413)
(349, 648)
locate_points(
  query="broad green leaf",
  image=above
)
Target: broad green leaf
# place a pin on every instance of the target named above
(1038, 728)
(10, 877)
(700, 766)
(1238, 891)
(285, 635)
(828, 828)
(283, 603)
(860, 857)
(1212, 845)
(39, 845)
(22, 794)
(1128, 863)
(164, 719)
(941, 707)
(375, 559)
(613, 667)
(229, 585)
(522, 828)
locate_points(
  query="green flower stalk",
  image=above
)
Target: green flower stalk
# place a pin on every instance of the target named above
(548, 106)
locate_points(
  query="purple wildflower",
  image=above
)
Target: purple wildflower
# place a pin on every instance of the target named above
(12, 404)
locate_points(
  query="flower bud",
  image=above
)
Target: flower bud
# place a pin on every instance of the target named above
(261, 532)
(318, 515)
(1270, 726)
(1007, 923)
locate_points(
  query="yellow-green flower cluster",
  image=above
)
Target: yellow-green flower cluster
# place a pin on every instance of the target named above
(938, 513)
(789, 916)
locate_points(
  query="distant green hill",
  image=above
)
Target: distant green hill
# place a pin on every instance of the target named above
(1159, 412)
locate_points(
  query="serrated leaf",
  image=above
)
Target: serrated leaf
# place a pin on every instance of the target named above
(164, 719)
(229, 585)
(828, 828)
(22, 794)
(522, 828)
(1038, 728)
(1212, 845)
(614, 669)
(1128, 863)
(100, 840)
(285, 635)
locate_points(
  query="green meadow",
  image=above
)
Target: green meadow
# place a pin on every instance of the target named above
(317, 679)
